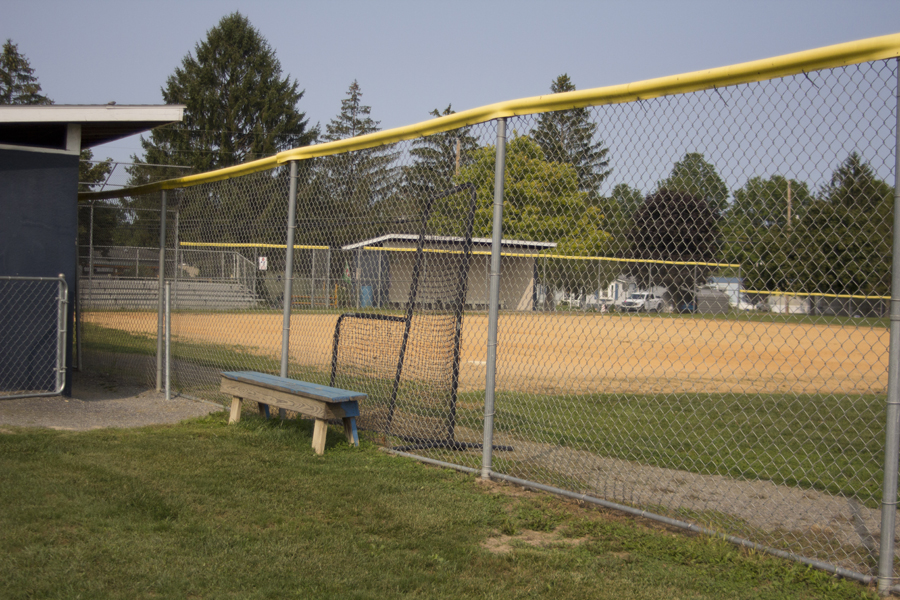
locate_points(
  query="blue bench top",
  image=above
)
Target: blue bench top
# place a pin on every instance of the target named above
(293, 386)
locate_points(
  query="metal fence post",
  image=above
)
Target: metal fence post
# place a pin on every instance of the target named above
(168, 340)
(328, 280)
(892, 416)
(61, 319)
(91, 258)
(494, 301)
(159, 306)
(289, 271)
(175, 263)
(313, 288)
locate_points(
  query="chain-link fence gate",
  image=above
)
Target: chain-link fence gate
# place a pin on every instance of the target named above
(32, 336)
(676, 297)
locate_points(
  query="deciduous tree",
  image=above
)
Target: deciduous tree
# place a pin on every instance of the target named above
(695, 176)
(673, 227)
(542, 202)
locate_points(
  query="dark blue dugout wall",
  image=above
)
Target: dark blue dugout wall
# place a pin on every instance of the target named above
(38, 232)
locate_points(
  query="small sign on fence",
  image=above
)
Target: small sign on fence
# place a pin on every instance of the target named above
(263, 263)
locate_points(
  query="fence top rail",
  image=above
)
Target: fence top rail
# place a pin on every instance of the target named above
(60, 278)
(838, 55)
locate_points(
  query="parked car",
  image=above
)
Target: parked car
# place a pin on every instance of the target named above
(642, 302)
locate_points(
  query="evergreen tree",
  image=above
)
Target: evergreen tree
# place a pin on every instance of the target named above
(436, 163)
(356, 183)
(91, 173)
(695, 176)
(568, 136)
(18, 85)
(843, 242)
(438, 158)
(239, 106)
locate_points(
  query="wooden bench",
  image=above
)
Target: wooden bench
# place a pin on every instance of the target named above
(318, 401)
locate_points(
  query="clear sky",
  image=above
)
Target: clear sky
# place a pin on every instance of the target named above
(411, 57)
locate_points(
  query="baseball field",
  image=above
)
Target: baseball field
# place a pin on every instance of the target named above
(577, 353)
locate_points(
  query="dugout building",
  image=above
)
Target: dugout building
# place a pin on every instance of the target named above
(39, 158)
(384, 265)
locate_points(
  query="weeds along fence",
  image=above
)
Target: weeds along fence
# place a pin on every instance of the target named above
(674, 294)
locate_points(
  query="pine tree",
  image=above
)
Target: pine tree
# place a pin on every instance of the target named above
(842, 244)
(437, 161)
(18, 85)
(239, 106)
(568, 136)
(438, 158)
(91, 173)
(357, 182)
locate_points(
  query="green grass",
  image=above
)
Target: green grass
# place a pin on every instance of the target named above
(206, 510)
(829, 443)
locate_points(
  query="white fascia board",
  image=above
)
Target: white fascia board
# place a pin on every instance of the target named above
(406, 237)
(91, 113)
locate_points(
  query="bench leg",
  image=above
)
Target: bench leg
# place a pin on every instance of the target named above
(350, 430)
(319, 431)
(263, 410)
(235, 410)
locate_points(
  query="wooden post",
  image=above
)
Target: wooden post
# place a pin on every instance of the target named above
(319, 431)
(235, 415)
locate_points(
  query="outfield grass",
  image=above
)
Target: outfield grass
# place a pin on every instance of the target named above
(829, 443)
(833, 444)
(207, 510)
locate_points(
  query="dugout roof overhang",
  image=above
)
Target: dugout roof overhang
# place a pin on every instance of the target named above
(70, 128)
(438, 239)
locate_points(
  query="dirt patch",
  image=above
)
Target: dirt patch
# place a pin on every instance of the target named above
(566, 353)
(536, 539)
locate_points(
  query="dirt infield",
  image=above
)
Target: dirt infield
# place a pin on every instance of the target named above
(574, 353)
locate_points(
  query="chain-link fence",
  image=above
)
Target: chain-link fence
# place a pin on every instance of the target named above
(32, 336)
(676, 305)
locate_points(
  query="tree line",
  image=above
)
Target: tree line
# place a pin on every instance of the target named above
(240, 107)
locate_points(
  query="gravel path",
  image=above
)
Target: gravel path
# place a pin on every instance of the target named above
(99, 402)
(791, 518)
